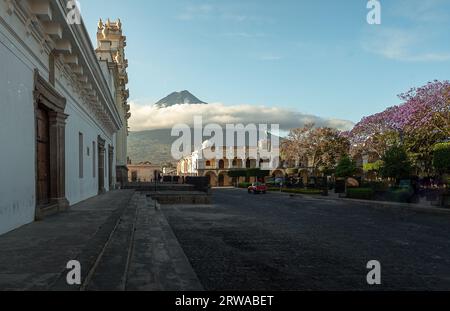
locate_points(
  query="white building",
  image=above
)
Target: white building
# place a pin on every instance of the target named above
(226, 159)
(63, 113)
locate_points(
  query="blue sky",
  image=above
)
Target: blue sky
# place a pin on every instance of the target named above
(315, 57)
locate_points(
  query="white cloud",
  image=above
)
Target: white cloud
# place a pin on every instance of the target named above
(270, 57)
(222, 11)
(402, 45)
(195, 12)
(421, 10)
(146, 117)
(243, 35)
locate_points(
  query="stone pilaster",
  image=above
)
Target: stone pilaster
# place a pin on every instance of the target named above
(58, 163)
(101, 165)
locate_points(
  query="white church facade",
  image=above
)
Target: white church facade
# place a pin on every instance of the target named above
(63, 111)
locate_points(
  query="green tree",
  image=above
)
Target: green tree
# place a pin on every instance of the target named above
(321, 146)
(237, 174)
(441, 158)
(396, 164)
(346, 167)
(258, 173)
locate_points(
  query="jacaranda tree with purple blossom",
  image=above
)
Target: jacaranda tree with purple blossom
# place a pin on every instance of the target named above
(420, 122)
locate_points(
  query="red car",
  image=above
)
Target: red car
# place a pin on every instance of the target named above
(257, 188)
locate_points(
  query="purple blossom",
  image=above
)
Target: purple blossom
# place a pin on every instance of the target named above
(420, 107)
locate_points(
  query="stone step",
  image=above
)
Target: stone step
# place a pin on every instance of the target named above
(157, 260)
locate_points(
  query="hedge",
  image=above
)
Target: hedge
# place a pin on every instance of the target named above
(399, 195)
(377, 186)
(299, 191)
(360, 193)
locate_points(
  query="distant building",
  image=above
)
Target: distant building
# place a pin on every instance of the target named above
(143, 172)
(63, 111)
(217, 170)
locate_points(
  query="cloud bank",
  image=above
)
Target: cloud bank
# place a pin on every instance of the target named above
(145, 117)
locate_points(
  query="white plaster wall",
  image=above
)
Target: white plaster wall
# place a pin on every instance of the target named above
(79, 189)
(17, 153)
(81, 120)
(19, 57)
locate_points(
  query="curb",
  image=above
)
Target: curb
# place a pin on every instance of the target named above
(384, 205)
(375, 204)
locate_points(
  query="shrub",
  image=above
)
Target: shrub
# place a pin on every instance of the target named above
(361, 193)
(244, 185)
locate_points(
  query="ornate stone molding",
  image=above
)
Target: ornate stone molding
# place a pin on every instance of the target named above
(47, 95)
(101, 143)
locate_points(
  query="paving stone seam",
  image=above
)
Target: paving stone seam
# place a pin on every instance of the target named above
(131, 246)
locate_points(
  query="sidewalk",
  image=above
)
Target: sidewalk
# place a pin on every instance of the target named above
(119, 238)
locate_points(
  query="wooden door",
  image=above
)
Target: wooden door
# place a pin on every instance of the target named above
(43, 156)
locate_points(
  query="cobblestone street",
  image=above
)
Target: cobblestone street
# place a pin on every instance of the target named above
(275, 242)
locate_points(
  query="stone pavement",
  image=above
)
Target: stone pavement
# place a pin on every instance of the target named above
(277, 242)
(119, 238)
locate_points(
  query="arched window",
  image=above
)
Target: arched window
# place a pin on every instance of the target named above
(221, 164)
(208, 163)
